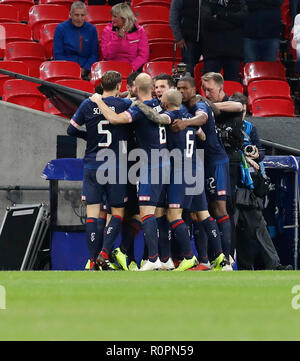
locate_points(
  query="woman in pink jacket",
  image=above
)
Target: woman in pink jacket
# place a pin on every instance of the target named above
(123, 39)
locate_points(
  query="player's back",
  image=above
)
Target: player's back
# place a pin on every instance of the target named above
(101, 134)
(183, 140)
(214, 150)
(149, 135)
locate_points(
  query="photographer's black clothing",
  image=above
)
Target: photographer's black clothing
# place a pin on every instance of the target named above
(254, 247)
(229, 127)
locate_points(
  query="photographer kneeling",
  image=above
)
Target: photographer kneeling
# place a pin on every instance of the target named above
(254, 247)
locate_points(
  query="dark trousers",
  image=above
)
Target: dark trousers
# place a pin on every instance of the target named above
(191, 55)
(254, 247)
(230, 66)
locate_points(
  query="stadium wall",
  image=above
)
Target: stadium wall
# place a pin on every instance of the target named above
(28, 143)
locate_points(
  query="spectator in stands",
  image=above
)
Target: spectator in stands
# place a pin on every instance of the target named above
(296, 38)
(123, 39)
(185, 24)
(254, 246)
(77, 40)
(222, 32)
(262, 30)
(294, 9)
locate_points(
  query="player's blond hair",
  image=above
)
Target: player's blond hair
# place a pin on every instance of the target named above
(173, 97)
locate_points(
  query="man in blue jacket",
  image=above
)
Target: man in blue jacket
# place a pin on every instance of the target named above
(77, 40)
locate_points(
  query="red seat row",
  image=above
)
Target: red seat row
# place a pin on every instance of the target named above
(27, 11)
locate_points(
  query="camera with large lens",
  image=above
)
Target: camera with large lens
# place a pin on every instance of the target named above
(249, 150)
(179, 72)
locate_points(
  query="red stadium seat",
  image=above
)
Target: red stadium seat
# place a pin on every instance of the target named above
(66, 3)
(164, 52)
(46, 38)
(14, 32)
(158, 33)
(151, 14)
(100, 67)
(98, 14)
(273, 107)
(99, 28)
(231, 87)
(83, 85)
(45, 14)
(9, 14)
(31, 53)
(49, 108)
(135, 3)
(14, 66)
(263, 70)
(153, 68)
(267, 89)
(23, 7)
(59, 69)
(24, 93)
(198, 72)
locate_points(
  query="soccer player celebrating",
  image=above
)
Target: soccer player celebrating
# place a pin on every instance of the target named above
(150, 137)
(184, 142)
(216, 167)
(103, 138)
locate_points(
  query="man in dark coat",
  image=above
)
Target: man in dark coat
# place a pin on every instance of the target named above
(222, 24)
(185, 25)
(262, 30)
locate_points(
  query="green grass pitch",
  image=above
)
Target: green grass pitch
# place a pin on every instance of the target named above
(154, 306)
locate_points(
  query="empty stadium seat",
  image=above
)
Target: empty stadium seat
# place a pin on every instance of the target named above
(46, 38)
(164, 52)
(273, 107)
(45, 14)
(83, 85)
(14, 32)
(31, 53)
(23, 7)
(59, 69)
(49, 108)
(135, 3)
(231, 87)
(24, 93)
(198, 72)
(100, 67)
(263, 70)
(158, 32)
(153, 68)
(98, 14)
(267, 89)
(151, 14)
(9, 14)
(14, 66)
(66, 3)
(99, 28)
